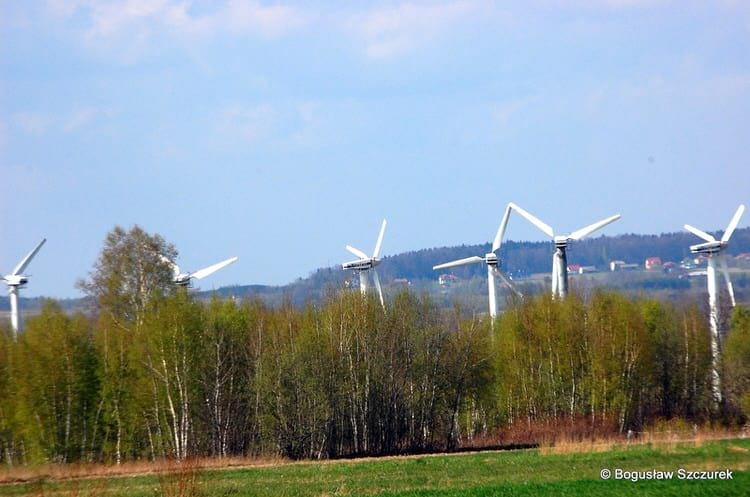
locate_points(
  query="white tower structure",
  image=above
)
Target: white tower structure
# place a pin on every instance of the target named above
(15, 281)
(560, 256)
(365, 263)
(712, 249)
(493, 265)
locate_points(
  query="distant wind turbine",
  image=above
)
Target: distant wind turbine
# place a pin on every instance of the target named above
(493, 265)
(560, 257)
(712, 249)
(15, 281)
(365, 263)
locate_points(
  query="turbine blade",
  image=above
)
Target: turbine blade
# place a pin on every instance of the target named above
(733, 224)
(508, 282)
(172, 264)
(377, 285)
(26, 260)
(533, 220)
(501, 230)
(577, 235)
(379, 243)
(700, 233)
(725, 272)
(459, 262)
(357, 252)
(202, 273)
(491, 292)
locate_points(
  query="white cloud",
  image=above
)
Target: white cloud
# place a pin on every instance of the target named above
(84, 116)
(392, 31)
(33, 123)
(248, 123)
(111, 21)
(282, 124)
(3, 134)
(503, 112)
(39, 123)
(610, 4)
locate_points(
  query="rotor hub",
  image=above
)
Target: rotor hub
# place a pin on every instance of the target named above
(491, 259)
(561, 242)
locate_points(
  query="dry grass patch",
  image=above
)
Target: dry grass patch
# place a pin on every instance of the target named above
(21, 474)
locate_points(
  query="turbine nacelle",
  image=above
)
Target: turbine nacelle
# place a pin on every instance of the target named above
(561, 241)
(709, 248)
(16, 280)
(362, 264)
(185, 279)
(182, 279)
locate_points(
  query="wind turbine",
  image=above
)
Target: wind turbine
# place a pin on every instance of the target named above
(365, 263)
(712, 249)
(492, 262)
(15, 281)
(183, 279)
(560, 257)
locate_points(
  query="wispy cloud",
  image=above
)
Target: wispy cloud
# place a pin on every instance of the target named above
(3, 134)
(33, 123)
(84, 116)
(395, 30)
(110, 21)
(288, 124)
(502, 112)
(39, 123)
(248, 123)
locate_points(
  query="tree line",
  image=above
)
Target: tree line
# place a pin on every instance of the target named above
(151, 372)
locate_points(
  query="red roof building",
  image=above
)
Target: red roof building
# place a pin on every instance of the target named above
(653, 263)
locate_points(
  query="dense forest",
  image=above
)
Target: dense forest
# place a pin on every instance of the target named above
(151, 371)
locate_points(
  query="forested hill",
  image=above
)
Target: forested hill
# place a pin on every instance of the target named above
(523, 258)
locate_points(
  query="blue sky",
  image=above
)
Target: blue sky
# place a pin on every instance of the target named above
(281, 131)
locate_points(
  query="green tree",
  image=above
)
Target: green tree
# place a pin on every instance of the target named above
(737, 360)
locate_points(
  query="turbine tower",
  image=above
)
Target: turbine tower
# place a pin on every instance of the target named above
(365, 263)
(493, 265)
(712, 249)
(184, 279)
(15, 281)
(560, 257)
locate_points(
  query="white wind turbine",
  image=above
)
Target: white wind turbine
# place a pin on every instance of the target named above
(365, 263)
(712, 249)
(15, 281)
(492, 262)
(560, 257)
(184, 279)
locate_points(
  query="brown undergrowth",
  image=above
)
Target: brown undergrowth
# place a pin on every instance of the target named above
(665, 436)
(30, 473)
(183, 479)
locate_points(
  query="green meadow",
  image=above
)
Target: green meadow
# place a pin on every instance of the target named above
(555, 472)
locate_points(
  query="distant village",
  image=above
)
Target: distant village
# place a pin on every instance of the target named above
(687, 267)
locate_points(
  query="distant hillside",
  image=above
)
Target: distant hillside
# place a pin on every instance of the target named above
(525, 258)
(518, 258)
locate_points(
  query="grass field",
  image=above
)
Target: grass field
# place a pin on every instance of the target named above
(564, 471)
